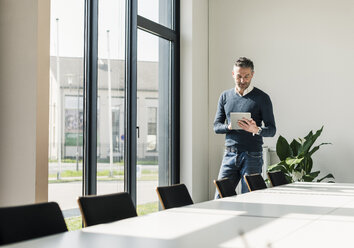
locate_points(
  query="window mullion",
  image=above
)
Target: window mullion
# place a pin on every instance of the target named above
(130, 143)
(90, 98)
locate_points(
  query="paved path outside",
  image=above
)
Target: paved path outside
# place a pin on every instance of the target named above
(66, 193)
(54, 167)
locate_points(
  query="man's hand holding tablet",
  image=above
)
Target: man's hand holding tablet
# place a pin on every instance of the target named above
(236, 118)
(242, 120)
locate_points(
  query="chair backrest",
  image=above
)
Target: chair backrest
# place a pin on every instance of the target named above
(101, 209)
(255, 182)
(30, 221)
(174, 196)
(225, 187)
(277, 178)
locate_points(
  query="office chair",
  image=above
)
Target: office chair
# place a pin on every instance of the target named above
(26, 222)
(174, 196)
(277, 178)
(101, 209)
(255, 182)
(225, 187)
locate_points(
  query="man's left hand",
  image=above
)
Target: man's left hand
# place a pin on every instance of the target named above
(248, 125)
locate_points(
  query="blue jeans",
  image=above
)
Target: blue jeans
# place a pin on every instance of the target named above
(237, 164)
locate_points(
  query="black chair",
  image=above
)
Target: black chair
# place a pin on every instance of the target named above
(101, 209)
(255, 182)
(174, 196)
(225, 187)
(277, 178)
(30, 221)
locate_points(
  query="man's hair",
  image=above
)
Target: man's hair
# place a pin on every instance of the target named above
(244, 62)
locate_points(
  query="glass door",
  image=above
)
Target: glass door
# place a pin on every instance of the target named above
(153, 118)
(110, 96)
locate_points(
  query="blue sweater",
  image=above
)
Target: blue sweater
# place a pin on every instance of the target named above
(259, 105)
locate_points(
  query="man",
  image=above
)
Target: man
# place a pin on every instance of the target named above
(243, 154)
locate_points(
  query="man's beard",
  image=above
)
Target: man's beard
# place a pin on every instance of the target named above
(243, 86)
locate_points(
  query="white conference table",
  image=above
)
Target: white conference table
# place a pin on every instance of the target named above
(294, 215)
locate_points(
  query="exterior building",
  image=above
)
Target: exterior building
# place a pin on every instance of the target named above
(66, 109)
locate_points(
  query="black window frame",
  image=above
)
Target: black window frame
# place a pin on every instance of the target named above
(133, 23)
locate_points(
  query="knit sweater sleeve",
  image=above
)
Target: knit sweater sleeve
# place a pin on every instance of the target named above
(269, 128)
(220, 117)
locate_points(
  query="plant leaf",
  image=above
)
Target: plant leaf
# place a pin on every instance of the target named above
(310, 139)
(330, 175)
(290, 179)
(278, 166)
(307, 164)
(295, 147)
(314, 174)
(292, 161)
(310, 134)
(283, 148)
(315, 149)
(308, 178)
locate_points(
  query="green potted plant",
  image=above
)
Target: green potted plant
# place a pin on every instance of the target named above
(295, 158)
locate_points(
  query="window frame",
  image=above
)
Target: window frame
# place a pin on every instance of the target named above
(133, 23)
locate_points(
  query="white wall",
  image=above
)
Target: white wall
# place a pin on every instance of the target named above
(24, 87)
(303, 53)
(194, 98)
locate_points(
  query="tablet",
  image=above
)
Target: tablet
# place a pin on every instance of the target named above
(236, 116)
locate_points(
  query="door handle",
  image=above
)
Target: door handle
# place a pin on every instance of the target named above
(138, 130)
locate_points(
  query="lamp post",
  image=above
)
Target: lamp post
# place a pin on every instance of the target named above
(78, 127)
(109, 107)
(59, 103)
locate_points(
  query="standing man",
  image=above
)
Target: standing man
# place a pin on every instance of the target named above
(243, 154)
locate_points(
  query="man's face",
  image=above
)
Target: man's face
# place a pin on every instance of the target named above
(243, 77)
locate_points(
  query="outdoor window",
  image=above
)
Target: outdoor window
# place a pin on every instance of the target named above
(161, 12)
(110, 96)
(113, 101)
(152, 129)
(66, 121)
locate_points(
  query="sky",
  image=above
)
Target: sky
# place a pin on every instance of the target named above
(67, 29)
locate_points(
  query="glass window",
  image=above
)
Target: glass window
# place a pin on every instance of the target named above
(66, 105)
(111, 94)
(153, 118)
(152, 129)
(159, 11)
(73, 125)
(67, 102)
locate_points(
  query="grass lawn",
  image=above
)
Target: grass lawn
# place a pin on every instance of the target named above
(75, 223)
(147, 208)
(141, 162)
(74, 176)
(74, 173)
